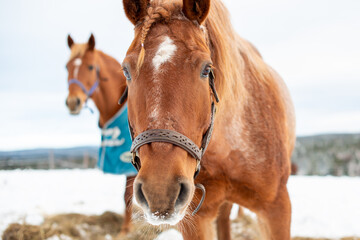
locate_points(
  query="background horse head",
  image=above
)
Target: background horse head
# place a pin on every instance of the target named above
(181, 49)
(93, 74)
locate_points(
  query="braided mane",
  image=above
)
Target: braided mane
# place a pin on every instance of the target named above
(78, 50)
(158, 10)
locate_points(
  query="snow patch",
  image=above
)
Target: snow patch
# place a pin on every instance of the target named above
(321, 206)
(170, 234)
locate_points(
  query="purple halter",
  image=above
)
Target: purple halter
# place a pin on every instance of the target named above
(81, 85)
(83, 88)
(88, 93)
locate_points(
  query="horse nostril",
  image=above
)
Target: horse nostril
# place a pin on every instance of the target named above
(183, 194)
(66, 102)
(140, 197)
(77, 101)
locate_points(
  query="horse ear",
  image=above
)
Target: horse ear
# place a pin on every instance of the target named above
(196, 10)
(135, 10)
(91, 42)
(70, 41)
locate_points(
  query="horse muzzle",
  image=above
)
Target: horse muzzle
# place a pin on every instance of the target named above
(163, 202)
(74, 105)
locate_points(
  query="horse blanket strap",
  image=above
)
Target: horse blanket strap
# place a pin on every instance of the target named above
(114, 153)
(173, 137)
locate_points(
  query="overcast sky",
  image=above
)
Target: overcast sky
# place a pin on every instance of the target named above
(313, 44)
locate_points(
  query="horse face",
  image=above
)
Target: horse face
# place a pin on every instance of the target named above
(168, 90)
(81, 67)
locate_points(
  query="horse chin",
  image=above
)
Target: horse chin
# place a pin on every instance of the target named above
(165, 219)
(171, 219)
(75, 111)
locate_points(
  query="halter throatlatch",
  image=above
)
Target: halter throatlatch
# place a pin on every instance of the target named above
(83, 88)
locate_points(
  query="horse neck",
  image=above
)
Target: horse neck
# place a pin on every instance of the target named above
(112, 84)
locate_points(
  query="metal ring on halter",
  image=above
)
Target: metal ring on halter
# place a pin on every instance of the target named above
(202, 188)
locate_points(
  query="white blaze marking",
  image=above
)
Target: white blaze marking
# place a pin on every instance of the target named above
(77, 63)
(154, 113)
(166, 50)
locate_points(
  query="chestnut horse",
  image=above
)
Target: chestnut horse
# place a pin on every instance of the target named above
(180, 49)
(88, 65)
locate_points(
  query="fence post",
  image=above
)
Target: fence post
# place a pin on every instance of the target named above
(51, 159)
(86, 160)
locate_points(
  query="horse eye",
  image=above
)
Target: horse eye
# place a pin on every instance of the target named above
(127, 74)
(91, 67)
(205, 73)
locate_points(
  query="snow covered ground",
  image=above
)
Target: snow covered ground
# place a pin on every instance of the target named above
(322, 206)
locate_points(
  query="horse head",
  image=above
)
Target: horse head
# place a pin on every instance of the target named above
(83, 75)
(168, 69)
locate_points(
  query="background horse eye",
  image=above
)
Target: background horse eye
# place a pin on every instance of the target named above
(127, 74)
(205, 73)
(91, 67)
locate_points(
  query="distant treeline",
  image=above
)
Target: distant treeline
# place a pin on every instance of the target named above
(332, 154)
(335, 154)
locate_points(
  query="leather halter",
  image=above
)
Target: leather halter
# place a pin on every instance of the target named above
(173, 137)
(177, 139)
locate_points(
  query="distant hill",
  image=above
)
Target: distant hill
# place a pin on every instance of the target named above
(77, 157)
(41, 152)
(330, 154)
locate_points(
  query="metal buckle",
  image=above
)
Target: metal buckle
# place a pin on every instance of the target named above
(198, 167)
(133, 158)
(197, 164)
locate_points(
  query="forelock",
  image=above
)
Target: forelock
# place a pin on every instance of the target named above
(78, 50)
(159, 10)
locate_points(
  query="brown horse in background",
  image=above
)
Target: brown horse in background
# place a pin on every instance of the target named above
(179, 47)
(83, 65)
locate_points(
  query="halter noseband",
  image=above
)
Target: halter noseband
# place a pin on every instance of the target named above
(175, 138)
